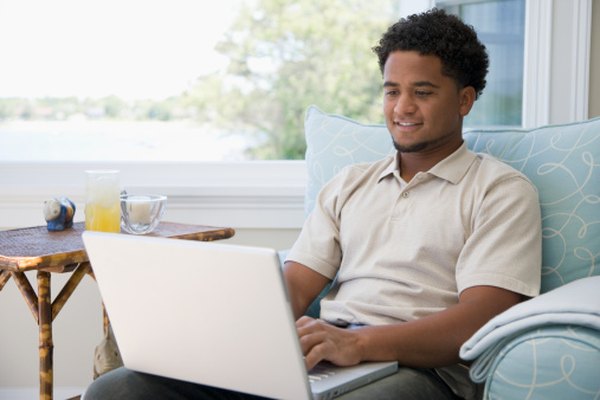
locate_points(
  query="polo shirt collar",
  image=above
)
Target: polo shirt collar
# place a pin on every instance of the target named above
(452, 168)
(391, 168)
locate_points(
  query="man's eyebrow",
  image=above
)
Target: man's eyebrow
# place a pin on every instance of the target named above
(415, 84)
(425, 84)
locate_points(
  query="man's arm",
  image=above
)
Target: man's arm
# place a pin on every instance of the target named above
(303, 285)
(432, 341)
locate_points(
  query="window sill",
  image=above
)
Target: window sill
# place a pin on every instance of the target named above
(258, 194)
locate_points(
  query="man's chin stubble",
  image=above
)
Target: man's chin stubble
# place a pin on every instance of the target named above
(413, 148)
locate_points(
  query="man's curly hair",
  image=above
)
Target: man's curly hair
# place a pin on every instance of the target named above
(463, 56)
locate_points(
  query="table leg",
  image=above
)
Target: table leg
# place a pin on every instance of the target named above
(44, 311)
(66, 292)
(46, 346)
(28, 294)
(4, 277)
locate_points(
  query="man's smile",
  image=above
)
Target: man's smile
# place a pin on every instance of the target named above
(407, 126)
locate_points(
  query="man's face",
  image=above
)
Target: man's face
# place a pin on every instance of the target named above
(423, 108)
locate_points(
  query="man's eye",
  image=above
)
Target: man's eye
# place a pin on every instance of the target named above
(391, 92)
(423, 93)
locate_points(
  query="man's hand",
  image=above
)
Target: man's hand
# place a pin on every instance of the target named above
(431, 341)
(322, 341)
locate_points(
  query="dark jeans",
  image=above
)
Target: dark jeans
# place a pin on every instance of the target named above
(406, 384)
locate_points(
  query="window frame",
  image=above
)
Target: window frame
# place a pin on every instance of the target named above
(555, 90)
(270, 194)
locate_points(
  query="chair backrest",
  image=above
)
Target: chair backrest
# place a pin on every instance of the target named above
(334, 141)
(562, 161)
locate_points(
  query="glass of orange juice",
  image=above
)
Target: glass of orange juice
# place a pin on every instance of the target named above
(102, 201)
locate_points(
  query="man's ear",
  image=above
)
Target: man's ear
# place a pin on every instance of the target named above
(467, 98)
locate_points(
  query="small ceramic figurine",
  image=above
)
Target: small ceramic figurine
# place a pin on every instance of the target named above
(58, 213)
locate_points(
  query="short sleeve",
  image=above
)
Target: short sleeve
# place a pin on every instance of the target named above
(504, 246)
(318, 245)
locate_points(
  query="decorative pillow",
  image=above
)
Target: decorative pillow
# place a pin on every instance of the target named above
(334, 141)
(563, 162)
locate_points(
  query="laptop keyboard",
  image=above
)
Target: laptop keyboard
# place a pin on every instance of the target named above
(320, 372)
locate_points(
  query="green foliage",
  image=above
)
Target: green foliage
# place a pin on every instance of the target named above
(287, 55)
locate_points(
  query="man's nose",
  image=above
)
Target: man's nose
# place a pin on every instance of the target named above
(405, 105)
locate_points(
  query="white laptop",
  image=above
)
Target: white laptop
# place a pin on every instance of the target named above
(210, 313)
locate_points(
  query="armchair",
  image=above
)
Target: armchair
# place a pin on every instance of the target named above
(547, 347)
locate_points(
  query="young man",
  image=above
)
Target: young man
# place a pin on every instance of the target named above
(424, 247)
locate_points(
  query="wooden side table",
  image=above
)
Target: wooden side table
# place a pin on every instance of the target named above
(46, 252)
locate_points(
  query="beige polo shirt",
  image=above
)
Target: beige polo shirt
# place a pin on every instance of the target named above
(401, 251)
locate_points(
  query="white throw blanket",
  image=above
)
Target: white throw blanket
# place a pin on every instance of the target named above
(576, 303)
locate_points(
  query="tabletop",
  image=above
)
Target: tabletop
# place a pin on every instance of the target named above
(35, 248)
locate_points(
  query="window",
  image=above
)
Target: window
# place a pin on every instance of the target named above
(238, 193)
(500, 25)
(103, 80)
(182, 80)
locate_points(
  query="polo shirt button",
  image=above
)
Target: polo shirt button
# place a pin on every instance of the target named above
(405, 194)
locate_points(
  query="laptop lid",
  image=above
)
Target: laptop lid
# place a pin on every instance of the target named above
(210, 313)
